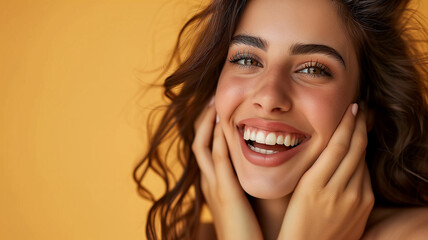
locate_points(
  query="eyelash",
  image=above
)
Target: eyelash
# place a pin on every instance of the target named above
(242, 55)
(324, 70)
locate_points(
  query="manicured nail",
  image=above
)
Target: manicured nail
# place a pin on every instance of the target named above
(354, 109)
(217, 119)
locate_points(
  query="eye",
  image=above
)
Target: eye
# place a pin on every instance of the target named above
(245, 59)
(248, 62)
(315, 69)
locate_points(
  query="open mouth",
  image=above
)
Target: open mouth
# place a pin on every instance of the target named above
(266, 142)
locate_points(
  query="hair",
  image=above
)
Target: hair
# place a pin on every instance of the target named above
(393, 70)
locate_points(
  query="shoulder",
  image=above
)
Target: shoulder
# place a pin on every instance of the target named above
(397, 223)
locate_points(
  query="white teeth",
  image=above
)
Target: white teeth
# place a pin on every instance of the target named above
(260, 137)
(247, 134)
(271, 139)
(253, 136)
(287, 140)
(280, 139)
(260, 150)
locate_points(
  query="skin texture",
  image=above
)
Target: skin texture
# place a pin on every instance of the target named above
(277, 92)
(324, 187)
(333, 198)
(277, 85)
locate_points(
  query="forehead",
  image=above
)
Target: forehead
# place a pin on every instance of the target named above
(285, 22)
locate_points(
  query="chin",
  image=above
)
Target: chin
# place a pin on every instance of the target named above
(265, 189)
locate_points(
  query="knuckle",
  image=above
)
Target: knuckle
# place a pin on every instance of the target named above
(332, 194)
(369, 199)
(361, 140)
(353, 198)
(308, 184)
(196, 147)
(339, 148)
(216, 155)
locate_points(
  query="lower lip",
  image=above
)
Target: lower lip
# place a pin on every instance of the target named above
(268, 160)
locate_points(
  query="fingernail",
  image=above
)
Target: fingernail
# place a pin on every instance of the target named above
(217, 119)
(354, 109)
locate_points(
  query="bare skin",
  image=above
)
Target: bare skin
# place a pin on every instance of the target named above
(278, 85)
(325, 187)
(235, 219)
(383, 223)
(336, 193)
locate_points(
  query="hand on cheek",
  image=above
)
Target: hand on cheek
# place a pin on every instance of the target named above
(334, 198)
(232, 213)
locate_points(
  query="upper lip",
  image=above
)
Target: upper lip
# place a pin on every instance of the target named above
(268, 125)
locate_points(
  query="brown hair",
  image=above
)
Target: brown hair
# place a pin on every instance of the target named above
(392, 86)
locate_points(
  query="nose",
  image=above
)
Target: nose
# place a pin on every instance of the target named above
(273, 94)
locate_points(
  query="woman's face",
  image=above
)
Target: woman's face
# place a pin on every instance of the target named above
(290, 75)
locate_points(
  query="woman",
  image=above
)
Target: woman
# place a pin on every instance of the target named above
(283, 108)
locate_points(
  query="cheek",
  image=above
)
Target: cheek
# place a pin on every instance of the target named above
(229, 95)
(324, 109)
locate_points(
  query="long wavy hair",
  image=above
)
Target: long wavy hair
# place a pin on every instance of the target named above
(393, 70)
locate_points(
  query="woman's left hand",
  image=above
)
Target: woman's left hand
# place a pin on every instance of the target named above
(334, 198)
(232, 213)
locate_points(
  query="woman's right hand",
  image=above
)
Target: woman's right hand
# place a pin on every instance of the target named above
(334, 198)
(232, 213)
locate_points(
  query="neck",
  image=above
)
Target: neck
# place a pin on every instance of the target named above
(270, 213)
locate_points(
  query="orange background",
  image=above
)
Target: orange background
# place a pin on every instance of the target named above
(72, 74)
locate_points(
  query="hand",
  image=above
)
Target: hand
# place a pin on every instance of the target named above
(334, 198)
(232, 213)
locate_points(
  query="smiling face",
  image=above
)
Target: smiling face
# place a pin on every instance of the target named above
(291, 73)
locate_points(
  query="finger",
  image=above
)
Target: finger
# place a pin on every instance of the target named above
(205, 121)
(338, 146)
(202, 141)
(361, 189)
(206, 188)
(225, 175)
(356, 181)
(352, 159)
(367, 196)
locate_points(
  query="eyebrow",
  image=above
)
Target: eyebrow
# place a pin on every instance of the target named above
(249, 40)
(299, 48)
(295, 49)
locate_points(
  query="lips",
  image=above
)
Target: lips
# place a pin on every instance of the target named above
(268, 143)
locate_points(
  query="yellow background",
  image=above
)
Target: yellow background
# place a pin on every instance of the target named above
(72, 110)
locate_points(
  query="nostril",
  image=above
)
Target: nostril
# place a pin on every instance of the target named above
(277, 109)
(258, 105)
(273, 109)
(272, 102)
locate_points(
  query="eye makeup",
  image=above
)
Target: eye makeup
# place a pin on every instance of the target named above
(245, 59)
(314, 69)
